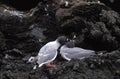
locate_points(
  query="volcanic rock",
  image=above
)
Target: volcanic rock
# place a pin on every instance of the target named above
(91, 23)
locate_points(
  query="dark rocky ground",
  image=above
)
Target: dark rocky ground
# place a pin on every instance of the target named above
(95, 25)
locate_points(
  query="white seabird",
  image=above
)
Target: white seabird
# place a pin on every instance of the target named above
(48, 52)
(68, 52)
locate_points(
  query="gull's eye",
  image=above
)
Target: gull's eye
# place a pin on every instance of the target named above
(32, 59)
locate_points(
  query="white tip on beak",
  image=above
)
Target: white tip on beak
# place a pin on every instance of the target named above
(35, 67)
(74, 36)
(67, 39)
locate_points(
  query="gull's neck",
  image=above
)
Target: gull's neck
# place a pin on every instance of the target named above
(58, 43)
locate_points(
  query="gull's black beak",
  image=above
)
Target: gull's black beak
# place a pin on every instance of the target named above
(27, 62)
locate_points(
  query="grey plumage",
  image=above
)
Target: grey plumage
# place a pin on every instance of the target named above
(48, 52)
(68, 52)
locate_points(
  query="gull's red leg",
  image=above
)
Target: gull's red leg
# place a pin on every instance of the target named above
(50, 65)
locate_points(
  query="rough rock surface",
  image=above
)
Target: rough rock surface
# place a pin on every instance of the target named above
(91, 24)
(113, 4)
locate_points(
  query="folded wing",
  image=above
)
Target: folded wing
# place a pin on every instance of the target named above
(75, 52)
(48, 56)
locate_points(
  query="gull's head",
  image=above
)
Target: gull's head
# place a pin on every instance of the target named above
(70, 44)
(62, 39)
(32, 59)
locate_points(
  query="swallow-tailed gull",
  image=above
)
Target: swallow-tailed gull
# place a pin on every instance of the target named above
(48, 52)
(68, 51)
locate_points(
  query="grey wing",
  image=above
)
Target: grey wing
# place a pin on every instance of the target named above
(41, 51)
(46, 48)
(77, 53)
(47, 57)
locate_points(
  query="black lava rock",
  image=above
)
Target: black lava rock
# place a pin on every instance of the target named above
(92, 25)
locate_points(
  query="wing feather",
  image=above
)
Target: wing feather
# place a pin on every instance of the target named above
(69, 53)
(48, 57)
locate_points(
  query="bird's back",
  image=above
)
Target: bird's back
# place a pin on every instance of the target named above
(49, 46)
(75, 52)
